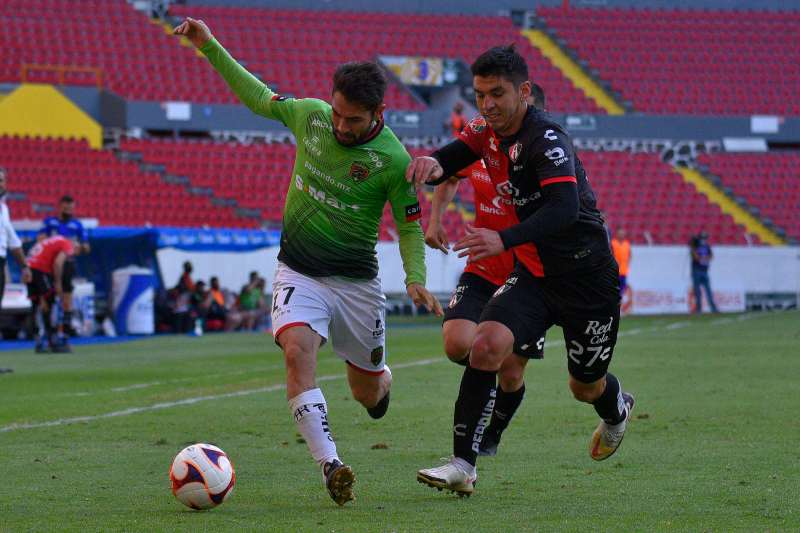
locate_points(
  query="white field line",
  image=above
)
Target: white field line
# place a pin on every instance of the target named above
(281, 386)
(145, 385)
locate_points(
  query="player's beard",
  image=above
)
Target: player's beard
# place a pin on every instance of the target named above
(346, 139)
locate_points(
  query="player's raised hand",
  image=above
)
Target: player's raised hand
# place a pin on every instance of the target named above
(420, 296)
(195, 30)
(479, 243)
(436, 236)
(423, 170)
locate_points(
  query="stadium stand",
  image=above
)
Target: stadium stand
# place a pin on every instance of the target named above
(674, 61)
(113, 191)
(768, 182)
(637, 191)
(644, 195)
(321, 40)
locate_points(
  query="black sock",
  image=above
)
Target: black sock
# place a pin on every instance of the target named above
(473, 410)
(609, 405)
(505, 407)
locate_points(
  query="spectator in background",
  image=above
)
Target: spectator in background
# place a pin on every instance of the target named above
(185, 283)
(252, 302)
(621, 247)
(456, 122)
(179, 301)
(9, 241)
(701, 260)
(66, 225)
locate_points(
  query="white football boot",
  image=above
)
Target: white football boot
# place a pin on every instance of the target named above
(450, 477)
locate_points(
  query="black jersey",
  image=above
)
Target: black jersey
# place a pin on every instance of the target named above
(540, 154)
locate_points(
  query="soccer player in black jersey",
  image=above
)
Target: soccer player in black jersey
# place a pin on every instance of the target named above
(565, 273)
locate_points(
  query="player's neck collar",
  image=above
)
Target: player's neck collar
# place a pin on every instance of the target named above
(376, 130)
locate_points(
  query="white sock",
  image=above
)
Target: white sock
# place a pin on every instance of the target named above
(311, 416)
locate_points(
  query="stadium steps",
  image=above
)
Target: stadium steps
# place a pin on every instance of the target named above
(729, 206)
(186, 182)
(571, 70)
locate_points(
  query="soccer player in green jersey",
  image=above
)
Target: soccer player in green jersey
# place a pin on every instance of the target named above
(348, 165)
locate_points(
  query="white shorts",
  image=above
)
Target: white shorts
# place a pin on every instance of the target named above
(351, 312)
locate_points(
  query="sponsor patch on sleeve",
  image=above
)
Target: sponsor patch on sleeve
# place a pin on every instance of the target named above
(413, 212)
(279, 98)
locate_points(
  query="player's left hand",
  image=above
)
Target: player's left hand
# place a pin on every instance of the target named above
(479, 243)
(421, 296)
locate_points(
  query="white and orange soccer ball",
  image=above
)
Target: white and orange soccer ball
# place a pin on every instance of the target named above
(202, 476)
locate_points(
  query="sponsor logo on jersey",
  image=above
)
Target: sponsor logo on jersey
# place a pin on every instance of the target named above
(550, 135)
(316, 122)
(557, 155)
(413, 212)
(321, 196)
(279, 98)
(492, 144)
(359, 172)
(497, 210)
(478, 124)
(515, 151)
(491, 161)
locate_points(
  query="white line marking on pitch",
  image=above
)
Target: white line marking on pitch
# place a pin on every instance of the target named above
(272, 388)
(189, 401)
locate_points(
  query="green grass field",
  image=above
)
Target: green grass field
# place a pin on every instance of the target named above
(712, 447)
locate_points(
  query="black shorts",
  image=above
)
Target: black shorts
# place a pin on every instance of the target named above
(585, 305)
(469, 300)
(41, 286)
(67, 275)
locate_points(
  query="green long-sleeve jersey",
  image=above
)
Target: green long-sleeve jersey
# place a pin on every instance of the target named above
(337, 193)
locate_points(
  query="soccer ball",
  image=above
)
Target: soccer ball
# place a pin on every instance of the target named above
(202, 476)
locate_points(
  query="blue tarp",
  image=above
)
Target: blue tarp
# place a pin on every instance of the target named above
(117, 247)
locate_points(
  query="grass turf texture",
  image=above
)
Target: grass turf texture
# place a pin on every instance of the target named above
(712, 446)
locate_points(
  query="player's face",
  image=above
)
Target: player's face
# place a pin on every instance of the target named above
(351, 122)
(500, 102)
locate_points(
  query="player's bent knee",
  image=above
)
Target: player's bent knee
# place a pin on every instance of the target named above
(487, 353)
(455, 348)
(587, 392)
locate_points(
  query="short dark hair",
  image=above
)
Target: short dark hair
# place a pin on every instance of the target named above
(501, 61)
(66, 199)
(361, 82)
(538, 96)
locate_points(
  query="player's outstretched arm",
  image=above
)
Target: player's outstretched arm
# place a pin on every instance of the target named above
(195, 30)
(252, 92)
(421, 296)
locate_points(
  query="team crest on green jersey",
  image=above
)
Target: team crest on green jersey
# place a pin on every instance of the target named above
(359, 172)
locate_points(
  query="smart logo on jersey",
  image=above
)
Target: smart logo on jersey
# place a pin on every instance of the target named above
(359, 172)
(515, 151)
(321, 196)
(413, 212)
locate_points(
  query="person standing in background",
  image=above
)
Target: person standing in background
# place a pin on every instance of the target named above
(701, 260)
(9, 241)
(66, 225)
(621, 247)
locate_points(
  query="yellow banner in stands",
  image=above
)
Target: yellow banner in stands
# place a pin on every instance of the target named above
(41, 110)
